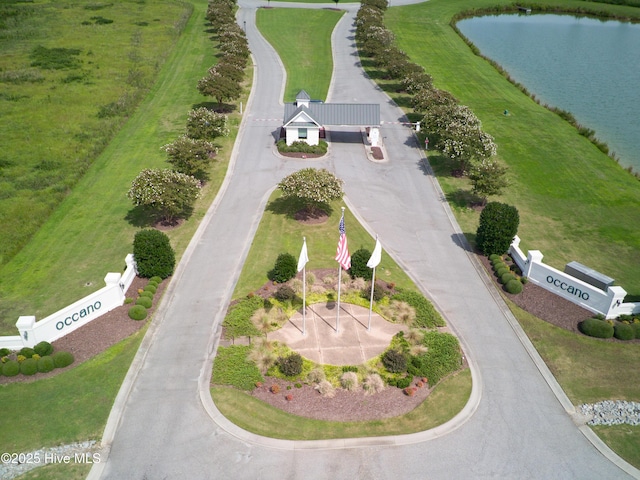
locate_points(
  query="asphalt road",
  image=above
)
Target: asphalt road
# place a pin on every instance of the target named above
(164, 425)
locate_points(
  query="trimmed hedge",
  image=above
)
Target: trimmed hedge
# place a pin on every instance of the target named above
(513, 286)
(594, 327)
(506, 278)
(43, 349)
(27, 352)
(147, 293)
(11, 368)
(153, 254)
(137, 312)
(498, 225)
(150, 288)
(29, 367)
(146, 302)
(62, 359)
(623, 331)
(45, 364)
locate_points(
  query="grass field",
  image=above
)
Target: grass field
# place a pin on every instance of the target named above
(575, 203)
(303, 41)
(91, 231)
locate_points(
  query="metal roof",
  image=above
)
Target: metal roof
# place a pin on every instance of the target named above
(363, 114)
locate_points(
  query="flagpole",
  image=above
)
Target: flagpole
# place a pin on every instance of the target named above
(373, 263)
(338, 306)
(304, 295)
(373, 282)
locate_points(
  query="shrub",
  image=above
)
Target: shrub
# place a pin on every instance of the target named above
(43, 348)
(316, 375)
(147, 294)
(326, 389)
(26, 352)
(636, 329)
(146, 302)
(45, 364)
(153, 254)
(494, 256)
(623, 331)
(29, 367)
(373, 384)
(595, 327)
(359, 268)
(506, 277)
(513, 286)
(284, 293)
(62, 359)
(11, 368)
(443, 356)
(138, 312)
(156, 279)
(403, 382)
(501, 271)
(284, 269)
(349, 381)
(498, 225)
(395, 361)
(4, 352)
(291, 365)
(275, 388)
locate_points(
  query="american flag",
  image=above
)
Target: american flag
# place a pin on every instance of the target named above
(342, 254)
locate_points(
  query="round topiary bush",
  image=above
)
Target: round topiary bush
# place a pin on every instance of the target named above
(284, 293)
(26, 352)
(150, 288)
(359, 267)
(11, 368)
(291, 365)
(153, 254)
(62, 359)
(29, 367)
(43, 349)
(506, 277)
(501, 271)
(146, 302)
(45, 364)
(4, 352)
(496, 262)
(623, 331)
(147, 293)
(513, 286)
(156, 279)
(395, 361)
(494, 256)
(137, 312)
(636, 329)
(596, 328)
(285, 268)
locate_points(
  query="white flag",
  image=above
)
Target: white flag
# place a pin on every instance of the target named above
(376, 256)
(304, 258)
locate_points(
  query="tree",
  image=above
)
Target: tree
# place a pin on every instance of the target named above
(498, 225)
(314, 188)
(219, 87)
(487, 177)
(166, 193)
(206, 124)
(191, 156)
(359, 268)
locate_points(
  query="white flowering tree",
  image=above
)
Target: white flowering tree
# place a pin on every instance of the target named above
(206, 124)
(487, 177)
(191, 156)
(166, 193)
(315, 188)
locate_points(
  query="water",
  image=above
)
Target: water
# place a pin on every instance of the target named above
(585, 66)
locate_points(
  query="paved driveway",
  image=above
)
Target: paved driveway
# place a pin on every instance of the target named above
(164, 424)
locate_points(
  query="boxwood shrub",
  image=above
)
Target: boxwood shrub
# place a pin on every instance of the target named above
(146, 293)
(27, 352)
(596, 328)
(137, 312)
(636, 329)
(62, 359)
(513, 286)
(501, 271)
(153, 254)
(494, 256)
(11, 368)
(29, 367)
(156, 279)
(146, 302)
(623, 331)
(43, 349)
(506, 277)
(150, 288)
(45, 364)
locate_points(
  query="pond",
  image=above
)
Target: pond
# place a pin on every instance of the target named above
(585, 66)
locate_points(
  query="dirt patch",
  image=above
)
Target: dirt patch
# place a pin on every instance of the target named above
(311, 217)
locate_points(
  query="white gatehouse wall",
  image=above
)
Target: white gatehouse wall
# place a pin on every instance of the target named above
(74, 316)
(609, 302)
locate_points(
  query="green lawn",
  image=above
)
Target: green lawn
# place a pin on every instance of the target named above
(575, 203)
(96, 218)
(303, 41)
(255, 416)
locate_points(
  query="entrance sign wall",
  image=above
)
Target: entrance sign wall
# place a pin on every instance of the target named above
(608, 302)
(74, 316)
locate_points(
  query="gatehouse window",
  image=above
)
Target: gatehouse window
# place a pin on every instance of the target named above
(302, 133)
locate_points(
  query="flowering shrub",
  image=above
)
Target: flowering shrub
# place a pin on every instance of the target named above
(206, 124)
(191, 156)
(314, 187)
